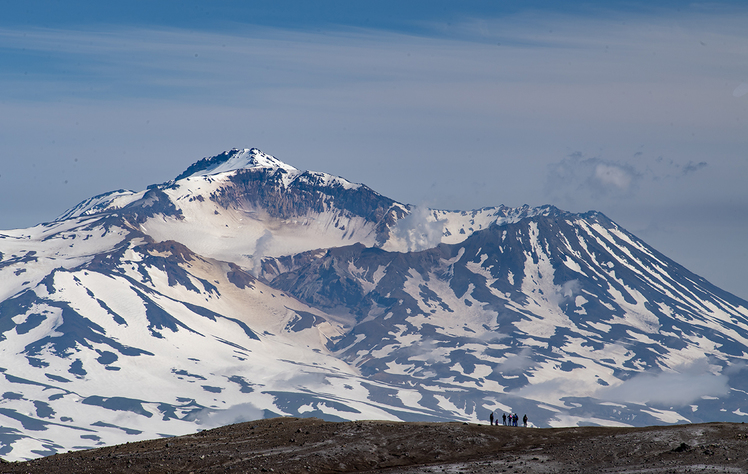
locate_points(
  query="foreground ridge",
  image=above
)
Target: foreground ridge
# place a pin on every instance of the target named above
(294, 445)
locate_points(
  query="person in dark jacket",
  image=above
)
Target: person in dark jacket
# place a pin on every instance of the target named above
(503, 419)
(524, 420)
(490, 417)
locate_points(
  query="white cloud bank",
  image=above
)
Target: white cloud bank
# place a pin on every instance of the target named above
(212, 418)
(686, 385)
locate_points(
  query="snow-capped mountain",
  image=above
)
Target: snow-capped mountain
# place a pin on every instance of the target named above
(247, 288)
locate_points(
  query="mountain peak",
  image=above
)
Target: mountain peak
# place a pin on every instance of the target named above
(234, 159)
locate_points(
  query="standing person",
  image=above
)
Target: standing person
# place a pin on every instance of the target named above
(503, 419)
(516, 419)
(524, 420)
(490, 417)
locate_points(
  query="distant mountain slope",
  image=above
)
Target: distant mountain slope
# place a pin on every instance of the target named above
(554, 307)
(247, 288)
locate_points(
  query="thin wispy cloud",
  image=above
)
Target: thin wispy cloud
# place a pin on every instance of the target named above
(692, 167)
(578, 177)
(516, 363)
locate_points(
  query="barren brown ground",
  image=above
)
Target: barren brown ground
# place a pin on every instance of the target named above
(293, 445)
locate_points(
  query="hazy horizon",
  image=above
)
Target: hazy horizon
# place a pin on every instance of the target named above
(635, 111)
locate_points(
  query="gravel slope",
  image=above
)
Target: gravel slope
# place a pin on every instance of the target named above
(293, 445)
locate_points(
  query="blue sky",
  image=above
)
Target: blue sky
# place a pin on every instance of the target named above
(640, 112)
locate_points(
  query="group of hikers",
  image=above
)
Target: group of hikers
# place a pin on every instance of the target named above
(508, 420)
